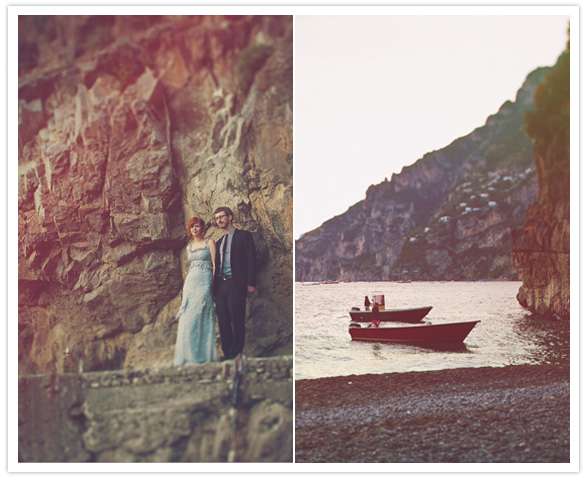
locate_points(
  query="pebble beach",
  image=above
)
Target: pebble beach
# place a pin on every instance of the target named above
(510, 414)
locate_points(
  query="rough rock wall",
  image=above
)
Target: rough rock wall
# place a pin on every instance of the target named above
(160, 415)
(541, 248)
(128, 126)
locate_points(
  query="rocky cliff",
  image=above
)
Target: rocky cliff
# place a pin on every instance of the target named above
(541, 248)
(446, 217)
(129, 126)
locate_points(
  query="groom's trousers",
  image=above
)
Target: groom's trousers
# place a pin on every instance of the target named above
(231, 306)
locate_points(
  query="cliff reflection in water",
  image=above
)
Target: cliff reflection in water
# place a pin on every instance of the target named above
(507, 335)
(551, 338)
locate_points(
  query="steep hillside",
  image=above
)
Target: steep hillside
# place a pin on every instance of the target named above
(446, 217)
(129, 126)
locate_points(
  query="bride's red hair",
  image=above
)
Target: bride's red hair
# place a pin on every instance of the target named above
(192, 221)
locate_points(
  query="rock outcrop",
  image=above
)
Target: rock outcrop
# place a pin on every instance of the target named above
(129, 126)
(187, 414)
(446, 217)
(541, 248)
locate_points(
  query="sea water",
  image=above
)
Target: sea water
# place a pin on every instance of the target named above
(506, 335)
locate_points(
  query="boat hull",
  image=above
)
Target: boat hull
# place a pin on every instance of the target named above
(439, 333)
(406, 315)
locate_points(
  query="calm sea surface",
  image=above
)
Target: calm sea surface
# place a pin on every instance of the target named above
(506, 335)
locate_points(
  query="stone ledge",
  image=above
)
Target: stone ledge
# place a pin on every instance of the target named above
(176, 414)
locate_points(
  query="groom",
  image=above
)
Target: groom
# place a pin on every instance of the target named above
(236, 268)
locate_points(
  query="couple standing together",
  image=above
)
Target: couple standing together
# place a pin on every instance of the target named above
(224, 272)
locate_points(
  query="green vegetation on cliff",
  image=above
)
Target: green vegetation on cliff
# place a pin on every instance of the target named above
(551, 115)
(549, 125)
(541, 248)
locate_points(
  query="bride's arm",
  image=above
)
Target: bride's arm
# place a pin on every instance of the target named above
(187, 265)
(212, 247)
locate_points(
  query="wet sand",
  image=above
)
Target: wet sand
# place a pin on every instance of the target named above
(510, 414)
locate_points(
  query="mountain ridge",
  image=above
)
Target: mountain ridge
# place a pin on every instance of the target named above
(480, 183)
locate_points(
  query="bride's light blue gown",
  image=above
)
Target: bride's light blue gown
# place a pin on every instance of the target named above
(196, 336)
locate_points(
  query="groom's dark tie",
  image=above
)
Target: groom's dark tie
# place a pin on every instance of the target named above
(223, 254)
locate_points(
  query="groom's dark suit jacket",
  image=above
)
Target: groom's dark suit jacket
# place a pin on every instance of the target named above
(243, 258)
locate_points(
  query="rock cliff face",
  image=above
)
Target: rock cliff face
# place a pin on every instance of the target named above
(446, 217)
(541, 248)
(129, 126)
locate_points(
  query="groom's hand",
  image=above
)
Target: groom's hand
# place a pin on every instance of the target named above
(250, 289)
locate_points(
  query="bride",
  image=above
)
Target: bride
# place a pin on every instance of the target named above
(196, 336)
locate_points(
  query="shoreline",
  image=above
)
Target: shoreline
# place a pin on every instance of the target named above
(516, 413)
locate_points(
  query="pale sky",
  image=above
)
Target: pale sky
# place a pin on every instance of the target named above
(375, 93)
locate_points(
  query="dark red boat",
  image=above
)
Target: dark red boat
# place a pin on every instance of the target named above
(403, 315)
(426, 333)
